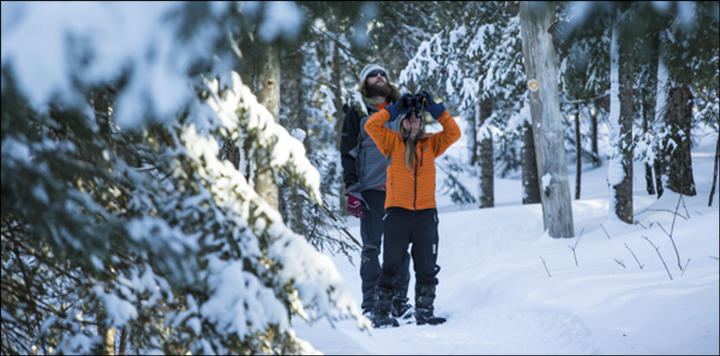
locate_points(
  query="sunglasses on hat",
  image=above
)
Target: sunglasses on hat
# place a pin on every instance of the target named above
(375, 72)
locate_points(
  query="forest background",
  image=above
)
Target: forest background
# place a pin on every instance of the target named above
(170, 172)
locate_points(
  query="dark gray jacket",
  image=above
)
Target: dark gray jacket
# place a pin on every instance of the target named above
(364, 167)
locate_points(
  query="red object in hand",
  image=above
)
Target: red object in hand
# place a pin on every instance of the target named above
(354, 205)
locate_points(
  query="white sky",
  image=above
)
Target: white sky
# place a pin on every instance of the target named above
(499, 299)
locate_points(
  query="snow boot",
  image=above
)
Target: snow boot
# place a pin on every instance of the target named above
(381, 316)
(424, 299)
(400, 308)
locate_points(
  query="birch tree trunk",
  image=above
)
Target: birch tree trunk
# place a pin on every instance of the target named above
(269, 96)
(620, 167)
(541, 70)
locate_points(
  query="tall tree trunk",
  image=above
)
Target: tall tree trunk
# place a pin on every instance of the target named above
(578, 150)
(473, 126)
(715, 170)
(487, 163)
(339, 116)
(678, 118)
(530, 179)
(649, 92)
(541, 66)
(594, 137)
(647, 113)
(621, 120)
(269, 96)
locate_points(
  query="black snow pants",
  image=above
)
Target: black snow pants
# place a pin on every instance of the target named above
(371, 232)
(403, 227)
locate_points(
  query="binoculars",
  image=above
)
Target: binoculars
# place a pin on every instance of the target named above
(416, 102)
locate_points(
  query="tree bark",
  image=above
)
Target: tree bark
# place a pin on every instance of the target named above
(594, 137)
(541, 65)
(622, 190)
(269, 96)
(715, 170)
(578, 149)
(647, 113)
(339, 116)
(678, 118)
(530, 177)
(487, 163)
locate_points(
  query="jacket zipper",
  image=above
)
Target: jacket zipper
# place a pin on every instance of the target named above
(415, 191)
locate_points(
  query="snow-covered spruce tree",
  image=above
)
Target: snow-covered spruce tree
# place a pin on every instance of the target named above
(475, 65)
(125, 220)
(306, 108)
(688, 51)
(584, 85)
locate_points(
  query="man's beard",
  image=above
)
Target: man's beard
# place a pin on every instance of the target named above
(375, 90)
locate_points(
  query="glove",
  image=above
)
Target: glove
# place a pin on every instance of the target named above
(400, 107)
(435, 109)
(354, 205)
(355, 201)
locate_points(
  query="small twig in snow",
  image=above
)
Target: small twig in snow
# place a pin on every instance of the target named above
(685, 268)
(668, 210)
(685, 206)
(673, 241)
(639, 223)
(657, 249)
(633, 254)
(576, 243)
(605, 231)
(546, 269)
(714, 258)
(620, 262)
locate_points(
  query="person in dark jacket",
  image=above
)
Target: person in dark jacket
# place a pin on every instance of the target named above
(364, 175)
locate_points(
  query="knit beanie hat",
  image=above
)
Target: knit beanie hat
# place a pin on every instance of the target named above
(371, 67)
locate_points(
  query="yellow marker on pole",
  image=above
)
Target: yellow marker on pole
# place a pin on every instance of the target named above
(533, 85)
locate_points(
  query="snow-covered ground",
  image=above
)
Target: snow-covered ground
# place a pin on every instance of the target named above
(508, 288)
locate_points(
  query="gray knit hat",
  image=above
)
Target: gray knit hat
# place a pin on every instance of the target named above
(371, 67)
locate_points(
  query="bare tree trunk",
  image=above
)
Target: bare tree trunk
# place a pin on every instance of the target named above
(110, 341)
(649, 182)
(659, 166)
(622, 187)
(578, 149)
(473, 126)
(594, 137)
(530, 179)
(678, 118)
(715, 170)
(541, 70)
(269, 96)
(339, 116)
(123, 340)
(487, 163)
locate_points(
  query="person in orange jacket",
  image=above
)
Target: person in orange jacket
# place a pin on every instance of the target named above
(411, 210)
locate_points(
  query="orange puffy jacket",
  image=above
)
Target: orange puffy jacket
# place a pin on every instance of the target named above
(405, 189)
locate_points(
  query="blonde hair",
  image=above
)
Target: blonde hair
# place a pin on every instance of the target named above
(410, 145)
